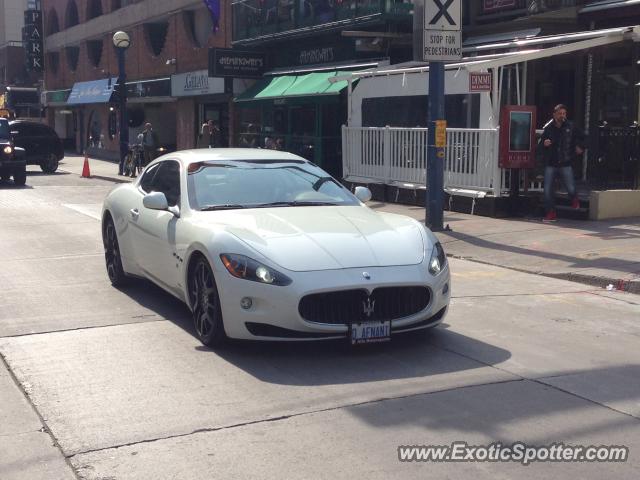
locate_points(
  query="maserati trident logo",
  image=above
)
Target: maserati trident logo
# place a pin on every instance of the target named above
(368, 307)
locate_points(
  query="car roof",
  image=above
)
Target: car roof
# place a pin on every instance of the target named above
(214, 155)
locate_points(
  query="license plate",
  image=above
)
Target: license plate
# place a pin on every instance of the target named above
(370, 332)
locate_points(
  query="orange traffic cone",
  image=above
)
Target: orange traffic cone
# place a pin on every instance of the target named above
(86, 173)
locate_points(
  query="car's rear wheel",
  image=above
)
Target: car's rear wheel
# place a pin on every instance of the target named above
(205, 303)
(20, 177)
(50, 163)
(112, 257)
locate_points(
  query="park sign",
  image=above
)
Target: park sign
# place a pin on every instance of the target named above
(32, 39)
(442, 38)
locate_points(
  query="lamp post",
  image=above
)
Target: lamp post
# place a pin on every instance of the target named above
(121, 42)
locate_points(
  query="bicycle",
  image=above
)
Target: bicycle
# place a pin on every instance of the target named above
(134, 162)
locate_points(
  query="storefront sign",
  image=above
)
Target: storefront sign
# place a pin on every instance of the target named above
(195, 83)
(95, 91)
(160, 87)
(517, 136)
(489, 6)
(32, 38)
(224, 62)
(316, 55)
(480, 82)
(56, 97)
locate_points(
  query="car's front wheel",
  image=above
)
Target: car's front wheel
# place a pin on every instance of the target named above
(112, 257)
(205, 304)
(49, 164)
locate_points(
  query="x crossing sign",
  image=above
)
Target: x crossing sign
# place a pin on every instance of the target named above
(442, 14)
(441, 37)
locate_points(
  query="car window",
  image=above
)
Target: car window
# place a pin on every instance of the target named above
(4, 129)
(21, 128)
(41, 130)
(167, 181)
(261, 184)
(147, 179)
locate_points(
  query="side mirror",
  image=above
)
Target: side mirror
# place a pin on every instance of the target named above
(155, 201)
(363, 194)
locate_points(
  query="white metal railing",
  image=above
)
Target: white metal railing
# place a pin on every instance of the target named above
(394, 155)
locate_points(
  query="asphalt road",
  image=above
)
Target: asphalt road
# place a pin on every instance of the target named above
(98, 383)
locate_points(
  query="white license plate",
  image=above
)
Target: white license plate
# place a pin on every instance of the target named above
(370, 332)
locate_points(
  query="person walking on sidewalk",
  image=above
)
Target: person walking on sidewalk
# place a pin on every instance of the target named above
(561, 141)
(149, 143)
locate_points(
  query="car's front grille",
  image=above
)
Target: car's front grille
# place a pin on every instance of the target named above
(353, 306)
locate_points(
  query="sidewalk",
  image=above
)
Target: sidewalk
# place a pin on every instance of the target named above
(595, 253)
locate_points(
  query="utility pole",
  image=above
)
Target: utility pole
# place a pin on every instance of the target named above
(441, 42)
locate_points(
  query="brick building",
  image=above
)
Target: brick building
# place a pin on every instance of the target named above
(16, 78)
(170, 41)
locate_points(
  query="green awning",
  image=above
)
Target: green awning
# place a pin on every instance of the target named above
(287, 86)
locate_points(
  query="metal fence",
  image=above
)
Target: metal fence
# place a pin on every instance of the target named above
(398, 156)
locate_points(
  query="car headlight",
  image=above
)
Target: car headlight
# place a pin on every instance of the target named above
(249, 269)
(8, 150)
(438, 260)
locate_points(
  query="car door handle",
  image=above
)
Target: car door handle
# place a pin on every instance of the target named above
(134, 213)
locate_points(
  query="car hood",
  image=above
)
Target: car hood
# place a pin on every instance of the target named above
(325, 238)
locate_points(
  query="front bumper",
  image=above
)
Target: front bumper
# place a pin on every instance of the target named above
(274, 311)
(11, 162)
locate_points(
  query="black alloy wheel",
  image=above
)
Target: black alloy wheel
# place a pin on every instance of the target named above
(50, 163)
(205, 304)
(112, 255)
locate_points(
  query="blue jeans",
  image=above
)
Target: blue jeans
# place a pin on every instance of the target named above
(549, 184)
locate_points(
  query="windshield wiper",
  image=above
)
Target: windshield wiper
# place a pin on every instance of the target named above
(224, 206)
(293, 204)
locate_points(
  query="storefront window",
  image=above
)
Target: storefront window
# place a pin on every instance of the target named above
(96, 136)
(249, 128)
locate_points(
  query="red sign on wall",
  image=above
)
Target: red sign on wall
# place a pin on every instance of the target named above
(518, 136)
(480, 81)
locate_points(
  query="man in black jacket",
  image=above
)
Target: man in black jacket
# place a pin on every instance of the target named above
(561, 140)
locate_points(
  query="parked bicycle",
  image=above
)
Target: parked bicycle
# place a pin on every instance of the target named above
(134, 162)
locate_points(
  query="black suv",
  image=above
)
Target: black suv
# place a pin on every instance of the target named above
(12, 161)
(41, 143)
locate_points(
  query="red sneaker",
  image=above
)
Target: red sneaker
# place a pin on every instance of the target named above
(575, 204)
(550, 216)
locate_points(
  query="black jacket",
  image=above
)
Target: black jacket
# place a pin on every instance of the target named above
(564, 140)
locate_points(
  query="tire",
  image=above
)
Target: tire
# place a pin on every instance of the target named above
(50, 164)
(113, 261)
(205, 304)
(20, 177)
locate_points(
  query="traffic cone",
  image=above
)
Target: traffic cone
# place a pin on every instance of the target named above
(86, 173)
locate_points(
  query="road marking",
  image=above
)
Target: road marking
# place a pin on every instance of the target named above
(92, 210)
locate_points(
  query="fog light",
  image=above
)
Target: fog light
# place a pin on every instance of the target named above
(445, 289)
(246, 303)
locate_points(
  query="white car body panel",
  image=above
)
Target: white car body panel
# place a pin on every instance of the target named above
(321, 248)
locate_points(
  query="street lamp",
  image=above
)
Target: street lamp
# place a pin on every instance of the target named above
(121, 42)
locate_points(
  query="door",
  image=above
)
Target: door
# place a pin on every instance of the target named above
(155, 230)
(26, 138)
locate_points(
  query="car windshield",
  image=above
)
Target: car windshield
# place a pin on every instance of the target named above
(232, 185)
(4, 129)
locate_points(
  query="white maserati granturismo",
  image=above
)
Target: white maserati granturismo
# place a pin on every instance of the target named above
(262, 244)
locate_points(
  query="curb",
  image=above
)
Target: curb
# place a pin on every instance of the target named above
(619, 284)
